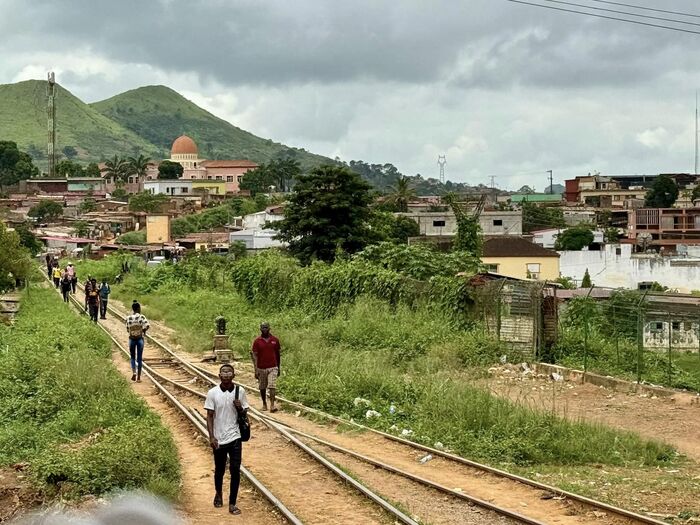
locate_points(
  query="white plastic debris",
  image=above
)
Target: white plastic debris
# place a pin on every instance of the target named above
(372, 414)
(438, 445)
(406, 432)
(556, 376)
(503, 359)
(361, 401)
(392, 409)
(425, 458)
(393, 427)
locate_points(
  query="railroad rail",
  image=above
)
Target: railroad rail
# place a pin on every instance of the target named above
(287, 431)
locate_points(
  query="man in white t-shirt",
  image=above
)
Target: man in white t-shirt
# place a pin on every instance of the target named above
(223, 410)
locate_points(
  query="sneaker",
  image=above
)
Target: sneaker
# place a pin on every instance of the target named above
(233, 509)
(218, 500)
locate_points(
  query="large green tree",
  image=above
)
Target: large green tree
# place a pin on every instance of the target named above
(15, 262)
(28, 239)
(68, 168)
(169, 170)
(575, 238)
(541, 217)
(147, 202)
(327, 213)
(46, 210)
(138, 165)
(15, 165)
(662, 194)
(117, 168)
(468, 238)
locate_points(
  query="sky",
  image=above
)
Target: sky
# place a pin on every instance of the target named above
(500, 88)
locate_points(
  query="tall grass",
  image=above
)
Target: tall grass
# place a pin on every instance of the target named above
(67, 412)
(394, 355)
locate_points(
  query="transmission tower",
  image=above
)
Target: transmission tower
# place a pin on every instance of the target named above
(51, 108)
(442, 161)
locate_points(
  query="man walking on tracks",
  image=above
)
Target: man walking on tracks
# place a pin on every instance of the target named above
(105, 290)
(93, 299)
(70, 270)
(65, 287)
(266, 360)
(226, 404)
(136, 325)
(56, 274)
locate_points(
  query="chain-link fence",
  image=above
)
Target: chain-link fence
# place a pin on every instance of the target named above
(640, 336)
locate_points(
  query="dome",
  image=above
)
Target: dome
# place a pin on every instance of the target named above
(183, 145)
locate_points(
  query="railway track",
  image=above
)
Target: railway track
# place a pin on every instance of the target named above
(553, 505)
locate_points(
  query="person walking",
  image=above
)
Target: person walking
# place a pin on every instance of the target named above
(86, 288)
(49, 264)
(56, 273)
(226, 404)
(93, 300)
(136, 325)
(266, 361)
(105, 290)
(70, 270)
(65, 287)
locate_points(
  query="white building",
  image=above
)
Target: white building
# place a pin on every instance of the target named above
(255, 221)
(615, 266)
(547, 238)
(439, 224)
(182, 187)
(256, 239)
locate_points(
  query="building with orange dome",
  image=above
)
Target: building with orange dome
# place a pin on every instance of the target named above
(222, 173)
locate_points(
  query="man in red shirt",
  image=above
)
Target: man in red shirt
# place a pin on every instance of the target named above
(266, 360)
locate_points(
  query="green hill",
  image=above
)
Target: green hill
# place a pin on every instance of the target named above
(94, 136)
(160, 115)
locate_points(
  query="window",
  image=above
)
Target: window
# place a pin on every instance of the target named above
(618, 251)
(687, 326)
(208, 177)
(229, 178)
(533, 270)
(493, 268)
(219, 177)
(498, 222)
(438, 224)
(239, 178)
(676, 325)
(657, 327)
(184, 190)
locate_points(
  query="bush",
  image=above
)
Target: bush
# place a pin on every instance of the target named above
(67, 412)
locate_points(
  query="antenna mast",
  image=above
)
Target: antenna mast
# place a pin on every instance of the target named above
(551, 182)
(51, 109)
(441, 162)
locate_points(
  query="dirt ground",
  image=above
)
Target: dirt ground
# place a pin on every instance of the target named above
(674, 419)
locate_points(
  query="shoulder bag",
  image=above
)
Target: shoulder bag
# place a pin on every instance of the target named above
(243, 423)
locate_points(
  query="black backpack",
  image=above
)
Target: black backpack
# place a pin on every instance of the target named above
(243, 423)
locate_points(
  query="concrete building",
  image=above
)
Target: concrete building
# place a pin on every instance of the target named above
(444, 224)
(547, 238)
(256, 239)
(61, 186)
(172, 188)
(665, 227)
(227, 172)
(256, 221)
(616, 266)
(516, 257)
(157, 229)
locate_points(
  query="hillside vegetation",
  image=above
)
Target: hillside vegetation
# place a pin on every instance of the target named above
(23, 119)
(160, 114)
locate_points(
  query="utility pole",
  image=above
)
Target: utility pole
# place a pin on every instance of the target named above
(551, 182)
(51, 109)
(696, 132)
(442, 160)
(493, 182)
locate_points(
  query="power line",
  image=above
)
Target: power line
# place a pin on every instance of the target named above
(606, 17)
(624, 12)
(647, 8)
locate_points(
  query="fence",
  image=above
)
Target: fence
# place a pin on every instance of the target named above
(640, 336)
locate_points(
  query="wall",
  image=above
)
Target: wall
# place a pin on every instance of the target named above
(429, 223)
(517, 266)
(169, 187)
(157, 229)
(683, 337)
(547, 238)
(609, 269)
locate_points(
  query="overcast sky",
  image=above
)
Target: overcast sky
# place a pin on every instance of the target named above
(500, 88)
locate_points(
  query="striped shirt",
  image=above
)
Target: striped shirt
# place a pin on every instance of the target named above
(137, 319)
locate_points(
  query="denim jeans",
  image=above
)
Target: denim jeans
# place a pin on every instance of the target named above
(136, 353)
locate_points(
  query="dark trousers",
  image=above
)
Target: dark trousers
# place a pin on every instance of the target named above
(93, 311)
(103, 308)
(233, 451)
(65, 292)
(56, 281)
(73, 284)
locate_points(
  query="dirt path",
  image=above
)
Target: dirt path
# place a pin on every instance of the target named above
(675, 419)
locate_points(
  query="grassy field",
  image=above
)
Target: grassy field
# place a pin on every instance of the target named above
(67, 412)
(388, 356)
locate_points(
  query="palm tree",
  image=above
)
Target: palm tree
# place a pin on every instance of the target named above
(138, 165)
(402, 193)
(117, 170)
